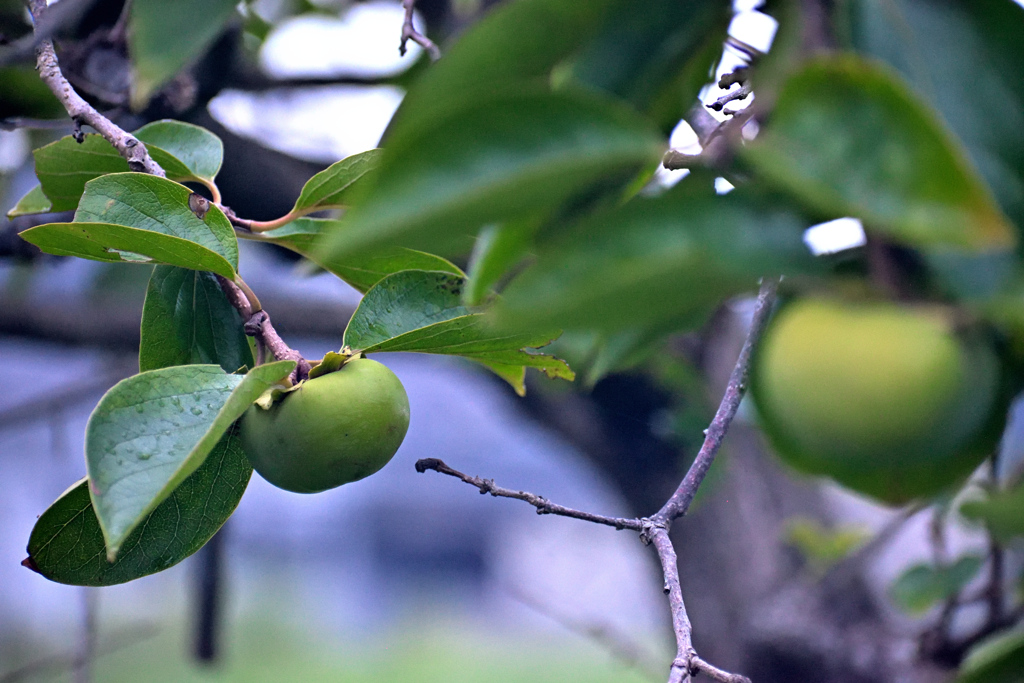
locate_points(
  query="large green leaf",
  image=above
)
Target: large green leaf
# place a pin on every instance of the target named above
(187, 320)
(332, 187)
(659, 58)
(67, 543)
(362, 271)
(966, 58)
(999, 659)
(118, 244)
(152, 430)
(504, 157)
(922, 586)
(164, 37)
(848, 138)
(65, 166)
(422, 311)
(497, 249)
(33, 202)
(137, 200)
(662, 262)
(184, 150)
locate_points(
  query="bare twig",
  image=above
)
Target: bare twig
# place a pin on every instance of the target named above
(741, 93)
(409, 32)
(543, 505)
(679, 503)
(133, 151)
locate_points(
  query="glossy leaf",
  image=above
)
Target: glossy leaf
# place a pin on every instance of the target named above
(136, 200)
(33, 202)
(152, 430)
(67, 543)
(999, 659)
(502, 158)
(422, 311)
(657, 59)
(849, 138)
(118, 244)
(922, 586)
(966, 58)
(65, 166)
(165, 37)
(332, 187)
(660, 263)
(184, 150)
(187, 320)
(362, 271)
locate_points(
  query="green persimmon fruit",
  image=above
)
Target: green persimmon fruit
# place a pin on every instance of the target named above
(887, 400)
(331, 430)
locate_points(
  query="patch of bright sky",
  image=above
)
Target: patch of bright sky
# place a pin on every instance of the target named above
(835, 236)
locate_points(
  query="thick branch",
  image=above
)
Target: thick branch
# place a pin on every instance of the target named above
(679, 503)
(543, 505)
(409, 32)
(133, 151)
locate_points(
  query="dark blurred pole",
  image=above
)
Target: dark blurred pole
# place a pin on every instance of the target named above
(209, 599)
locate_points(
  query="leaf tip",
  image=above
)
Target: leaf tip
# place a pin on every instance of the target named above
(30, 563)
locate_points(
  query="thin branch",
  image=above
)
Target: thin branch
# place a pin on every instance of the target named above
(543, 505)
(679, 503)
(409, 32)
(741, 93)
(133, 151)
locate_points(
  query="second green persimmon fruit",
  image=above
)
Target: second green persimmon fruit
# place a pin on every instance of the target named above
(331, 430)
(887, 400)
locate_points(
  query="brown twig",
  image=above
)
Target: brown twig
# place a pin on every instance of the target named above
(741, 93)
(409, 32)
(133, 151)
(679, 503)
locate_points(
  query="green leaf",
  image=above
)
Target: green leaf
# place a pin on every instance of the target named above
(966, 58)
(152, 430)
(362, 271)
(922, 586)
(33, 202)
(137, 200)
(663, 263)
(1002, 513)
(657, 59)
(502, 158)
(187, 319)
(422, 311)
(332, 187)
(517, 42)
(165, 37)
(848, 138)
(65, 166)
(822, 548)
(496, 250)
(999, 659)
(118, 244)
(185, 151)
(67, 543)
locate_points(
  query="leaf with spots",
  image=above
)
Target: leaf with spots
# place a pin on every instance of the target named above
(422, 311)
(152, 430)
(67, 544)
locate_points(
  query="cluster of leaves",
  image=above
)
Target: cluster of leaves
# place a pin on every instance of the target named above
(530, 147)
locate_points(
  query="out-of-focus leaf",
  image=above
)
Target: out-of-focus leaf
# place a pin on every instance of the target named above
(152, 430)
(165, 37)
(187, 320)
(137, 200)
(966, 58)
(664, 261)
(332, 187)
(33, 202)
(422, 311)
(1002, 513)
(497, 248)
(185, 151)
(67, 544)
(1000, 659)
(821, 547)
(362, 271)
(922, 586)
(500, 159)
(22, 93)
(848, 138)
(657, 59)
